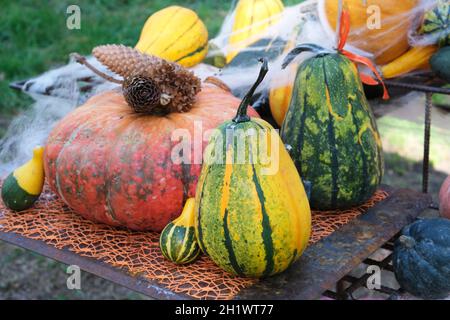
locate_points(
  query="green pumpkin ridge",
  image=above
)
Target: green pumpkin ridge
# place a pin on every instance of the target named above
(267, 229)
(229, 246)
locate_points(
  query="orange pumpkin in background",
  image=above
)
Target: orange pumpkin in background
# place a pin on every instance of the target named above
(113, 165)
(388, 42)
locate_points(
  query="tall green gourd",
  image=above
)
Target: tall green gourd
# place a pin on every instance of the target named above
(252, 216)
(331, 131)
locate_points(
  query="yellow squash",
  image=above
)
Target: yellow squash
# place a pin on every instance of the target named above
(176, 34)
(415, 59)
(282, 85)
(387, 42)
(280, 95)
(251, 19)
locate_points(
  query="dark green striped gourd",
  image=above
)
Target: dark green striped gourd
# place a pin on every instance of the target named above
(177, 241)
(252, 215)
(436, 23)
(332, 132)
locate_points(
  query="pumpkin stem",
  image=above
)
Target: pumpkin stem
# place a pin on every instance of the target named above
(241, 115)
(407, 241)
(217, 82)
(82, 60)
(309, 47)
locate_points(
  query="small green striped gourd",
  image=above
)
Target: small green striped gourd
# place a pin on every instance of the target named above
(24, 185)
(177, 241)
(252, 216)
(331, 131)
(436, 23)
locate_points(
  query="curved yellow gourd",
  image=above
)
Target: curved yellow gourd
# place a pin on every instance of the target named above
(417, 58)
(30, 176)
(176, 34)
(24, 185)
(177, 241)
(251, 19)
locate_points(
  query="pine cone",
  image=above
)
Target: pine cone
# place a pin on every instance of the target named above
(177, 85)
(142, 94)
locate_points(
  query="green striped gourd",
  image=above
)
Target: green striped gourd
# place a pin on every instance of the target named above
(177, 241)
(436, 23)
(252, 216)
(331, 131)
(24, 185)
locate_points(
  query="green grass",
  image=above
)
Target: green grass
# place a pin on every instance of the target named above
(35, 38)
(406, 138)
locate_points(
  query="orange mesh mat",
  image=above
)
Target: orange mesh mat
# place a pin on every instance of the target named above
(138, 253)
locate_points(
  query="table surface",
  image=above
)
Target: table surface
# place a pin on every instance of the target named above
(322, 265)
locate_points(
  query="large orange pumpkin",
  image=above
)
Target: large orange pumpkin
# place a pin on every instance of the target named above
(386, 43)
(115, 166)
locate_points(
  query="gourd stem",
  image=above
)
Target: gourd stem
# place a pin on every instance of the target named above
(309, 47)
(407, 241)
(241, 115)
(82, 60)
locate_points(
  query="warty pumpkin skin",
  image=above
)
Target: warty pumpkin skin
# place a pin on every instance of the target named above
(250, 223)
(114, 166)
(332, 131)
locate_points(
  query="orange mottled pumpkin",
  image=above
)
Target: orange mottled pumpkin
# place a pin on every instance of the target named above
(115, 166)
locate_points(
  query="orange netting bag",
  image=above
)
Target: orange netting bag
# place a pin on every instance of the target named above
(138, 253)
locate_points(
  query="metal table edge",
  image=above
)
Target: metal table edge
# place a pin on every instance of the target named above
(119, 276)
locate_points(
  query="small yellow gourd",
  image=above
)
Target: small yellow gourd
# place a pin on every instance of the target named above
(251, 19)
(24, 185)
(280, 96)
(178, 242)
(176, 34)
(415, 59)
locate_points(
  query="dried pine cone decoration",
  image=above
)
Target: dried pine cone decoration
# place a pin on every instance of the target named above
(176, 86)
(142, 94)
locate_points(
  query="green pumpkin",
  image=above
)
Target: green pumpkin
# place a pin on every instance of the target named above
(436, 23)
(421, 258)
(177, 241)
(440, 63)
(253, 218)
(331, 131)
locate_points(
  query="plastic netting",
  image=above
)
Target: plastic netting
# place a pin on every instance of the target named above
(138, 253)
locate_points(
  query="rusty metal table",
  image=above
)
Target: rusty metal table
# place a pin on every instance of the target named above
(320, 268)
(325, 265)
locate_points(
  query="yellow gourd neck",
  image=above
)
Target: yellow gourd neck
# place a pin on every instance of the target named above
(30, 176)
(186, 219)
